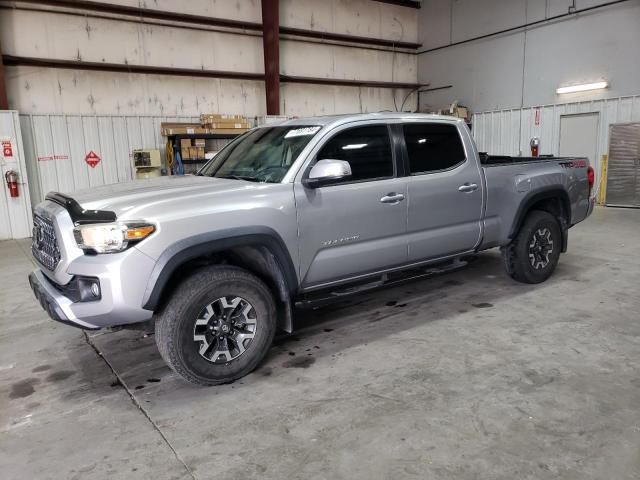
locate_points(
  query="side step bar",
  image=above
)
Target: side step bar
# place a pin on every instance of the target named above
(325, 297)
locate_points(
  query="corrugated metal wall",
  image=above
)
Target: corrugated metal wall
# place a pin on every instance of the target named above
(55, 148)
(508, 132)
(15, 213)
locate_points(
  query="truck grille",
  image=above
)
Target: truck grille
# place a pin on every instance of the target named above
(44, 245)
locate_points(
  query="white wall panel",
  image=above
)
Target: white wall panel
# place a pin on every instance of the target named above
(362, 18)
(525, 67)
(35, 33)
(508, 132)
(15, 213)
(56, 147)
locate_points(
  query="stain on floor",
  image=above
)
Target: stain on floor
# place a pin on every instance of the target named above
(301, 362)
(483, 305)
(60, 375)
(41, 368)
(23, 388)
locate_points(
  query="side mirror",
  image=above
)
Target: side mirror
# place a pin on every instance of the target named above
(326, 172)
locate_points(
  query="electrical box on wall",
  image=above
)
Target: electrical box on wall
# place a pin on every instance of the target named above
(147, 164)
(146, 158)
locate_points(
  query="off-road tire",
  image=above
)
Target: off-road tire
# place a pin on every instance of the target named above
(516, 254)
(174, 325)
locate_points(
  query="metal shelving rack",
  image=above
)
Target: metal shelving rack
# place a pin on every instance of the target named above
(175, 142)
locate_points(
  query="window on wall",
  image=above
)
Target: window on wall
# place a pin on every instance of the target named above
(432, 147)
(367, 149)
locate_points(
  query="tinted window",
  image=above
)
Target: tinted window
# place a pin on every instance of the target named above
(367, 149)
(432, 147)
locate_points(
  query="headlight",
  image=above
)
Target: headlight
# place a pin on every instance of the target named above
(111, 237)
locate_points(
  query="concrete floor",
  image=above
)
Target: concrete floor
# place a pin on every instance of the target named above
(464, 376)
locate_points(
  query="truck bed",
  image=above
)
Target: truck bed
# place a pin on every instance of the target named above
(491, 160)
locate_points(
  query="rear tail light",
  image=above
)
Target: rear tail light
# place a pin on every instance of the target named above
(591, 178)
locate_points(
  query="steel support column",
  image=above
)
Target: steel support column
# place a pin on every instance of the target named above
(271, 48)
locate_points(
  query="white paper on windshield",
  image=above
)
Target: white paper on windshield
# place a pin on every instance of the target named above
(301, 132)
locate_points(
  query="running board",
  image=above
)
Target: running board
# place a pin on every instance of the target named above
(325, 297)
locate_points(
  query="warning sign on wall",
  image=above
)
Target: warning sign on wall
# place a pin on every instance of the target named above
(92, 159)
(7, 150)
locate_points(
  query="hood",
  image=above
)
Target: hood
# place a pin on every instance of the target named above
(124, 199)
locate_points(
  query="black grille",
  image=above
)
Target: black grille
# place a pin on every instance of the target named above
(44, 244)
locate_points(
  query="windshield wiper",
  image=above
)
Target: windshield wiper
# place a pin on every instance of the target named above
(242, 177)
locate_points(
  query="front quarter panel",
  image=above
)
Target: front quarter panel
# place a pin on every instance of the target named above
(270, 206)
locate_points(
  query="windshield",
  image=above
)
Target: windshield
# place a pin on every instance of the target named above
(261, 155)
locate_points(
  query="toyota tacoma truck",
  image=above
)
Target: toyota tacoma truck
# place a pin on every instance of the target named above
(291, 215)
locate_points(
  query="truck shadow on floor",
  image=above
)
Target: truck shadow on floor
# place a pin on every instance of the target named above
(475, 292)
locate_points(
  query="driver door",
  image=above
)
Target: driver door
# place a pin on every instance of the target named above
(357, 226)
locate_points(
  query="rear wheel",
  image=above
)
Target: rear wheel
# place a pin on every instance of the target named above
(533, 254)
(218, 325)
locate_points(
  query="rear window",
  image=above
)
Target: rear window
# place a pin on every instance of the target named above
(432, 147)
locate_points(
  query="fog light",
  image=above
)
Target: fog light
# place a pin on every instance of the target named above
(89, 289)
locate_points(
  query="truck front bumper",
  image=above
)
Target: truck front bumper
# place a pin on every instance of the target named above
(55, 303)
(122, 279)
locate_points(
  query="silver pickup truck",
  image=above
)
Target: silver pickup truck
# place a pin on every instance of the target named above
(295, 214)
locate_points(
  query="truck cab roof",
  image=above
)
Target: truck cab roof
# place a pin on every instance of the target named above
(336, 120)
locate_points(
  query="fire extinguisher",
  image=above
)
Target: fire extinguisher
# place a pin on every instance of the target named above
(535, 146)
(11, 176)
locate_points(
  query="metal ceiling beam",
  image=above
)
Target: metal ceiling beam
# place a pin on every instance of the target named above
(346, 83)
(271, 51)
(11, 60)
(339, 37)
(147, 13)
(402, 3)
(137, 12)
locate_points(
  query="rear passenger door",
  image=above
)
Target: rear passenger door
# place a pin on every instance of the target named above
(358, 226)
(445, 191)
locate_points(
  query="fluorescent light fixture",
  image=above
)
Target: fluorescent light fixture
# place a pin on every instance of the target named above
(582, 88)
(422, 140)
(354, 146)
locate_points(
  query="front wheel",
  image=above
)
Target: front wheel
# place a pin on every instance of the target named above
(533, 254)
(217, 326)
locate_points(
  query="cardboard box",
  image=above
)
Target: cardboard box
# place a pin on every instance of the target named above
(188, 130)
(217, 125)
(460, 112)
(185, 143)
(199, 142)
(193, 153)
(185, 154)
(227, 131)
(200, 153)
(217, 117)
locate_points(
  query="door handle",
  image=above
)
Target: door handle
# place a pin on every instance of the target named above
(468, 187)
(392, 197)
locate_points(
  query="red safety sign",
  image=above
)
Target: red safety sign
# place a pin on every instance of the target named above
(7, 150)
(92, 159)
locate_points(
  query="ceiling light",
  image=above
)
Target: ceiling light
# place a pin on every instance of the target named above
(354, 146)
(582, 88)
